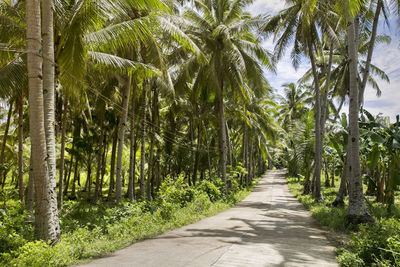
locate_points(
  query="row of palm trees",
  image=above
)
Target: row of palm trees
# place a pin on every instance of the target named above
(186, 79)
(332, 35)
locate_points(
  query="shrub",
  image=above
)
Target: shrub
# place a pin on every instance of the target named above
(211, 189)
(377, 243)
(176, 191)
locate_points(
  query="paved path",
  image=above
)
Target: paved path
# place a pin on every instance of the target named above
(269, 228)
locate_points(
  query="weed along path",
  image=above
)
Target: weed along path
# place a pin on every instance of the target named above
(269, 228)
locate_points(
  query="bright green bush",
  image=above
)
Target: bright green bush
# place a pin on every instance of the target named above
(92, 230)
(211, 189)
(377, 243)
(176, 191)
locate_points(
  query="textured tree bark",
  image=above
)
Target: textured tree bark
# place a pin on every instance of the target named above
(62, 156)
(143, 144)
(121, 136)
(31, 188)
(132, 152)
(76, 173)
(357, 212)
(99, 159)
(244, 150)
(88, 184)
(3, 145)
(222, 131)
(318, 142)
(44, 222)
(21, 147)
(49, 104)
(196, 156)
(112, 166)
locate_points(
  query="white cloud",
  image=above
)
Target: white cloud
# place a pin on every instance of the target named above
(270, 7)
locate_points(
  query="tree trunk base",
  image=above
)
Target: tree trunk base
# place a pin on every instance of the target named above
(338, 203)
(354, 220)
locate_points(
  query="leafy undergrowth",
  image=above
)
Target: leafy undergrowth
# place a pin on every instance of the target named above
(90, 231)
(370, 245)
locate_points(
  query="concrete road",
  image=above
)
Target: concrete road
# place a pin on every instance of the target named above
(269, 228)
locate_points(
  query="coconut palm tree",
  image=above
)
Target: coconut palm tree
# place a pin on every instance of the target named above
(223, 30)
(301, 22)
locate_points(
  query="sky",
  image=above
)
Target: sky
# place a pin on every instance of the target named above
(386, 57)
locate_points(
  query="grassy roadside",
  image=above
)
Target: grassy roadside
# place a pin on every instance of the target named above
(90, 232)
(370, 245)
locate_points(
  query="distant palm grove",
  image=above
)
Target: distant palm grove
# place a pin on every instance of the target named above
(114, 105)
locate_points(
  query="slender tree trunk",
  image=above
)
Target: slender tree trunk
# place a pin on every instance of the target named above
(150, 176)
(339, 201)
(71, 164)
(244, 148)
(357, 212)
(318, 137)
(62, 156)
(76, 173)
(222, 131)
(88, 184)
(333, 176)
(197, 154)
(99, 159)
(132, 154)
(31, 188)
(121, 136)
(143, 145)
(229, 144)
(3, 145)
(49, 104)
(103, 167)
(112, 165)
(21, 147)
(44, 221)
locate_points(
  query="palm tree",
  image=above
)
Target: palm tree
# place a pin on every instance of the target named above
(44, 221)
(49, 103)
(223, 31)
(303, 20)
(292, 105)
(357, 212)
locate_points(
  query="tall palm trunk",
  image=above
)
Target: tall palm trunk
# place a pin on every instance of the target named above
(62, 154)
(121, 136)
(49, 103)
(143, 145)
(99, 159)
(44, 222)
(318, 136)
(112, 165)
(222, 131)
(132, 154)
(339, 200)
(31, 188)
(357, 212)
(3, 145)
(150, 176)
(197, 155)
(244, 148)
(21, 147)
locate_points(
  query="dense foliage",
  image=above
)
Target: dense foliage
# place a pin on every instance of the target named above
(118, 115)
(90, 231)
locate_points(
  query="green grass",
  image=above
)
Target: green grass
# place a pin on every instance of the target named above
(330, 218)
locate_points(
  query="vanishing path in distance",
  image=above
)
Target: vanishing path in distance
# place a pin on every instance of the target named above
(268, 228)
